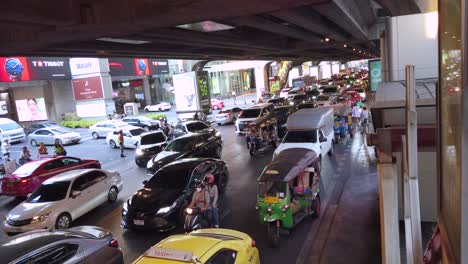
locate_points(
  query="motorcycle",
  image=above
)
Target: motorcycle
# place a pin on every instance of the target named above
(260, 135)
(195, 219)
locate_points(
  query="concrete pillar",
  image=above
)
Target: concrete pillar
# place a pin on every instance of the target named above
(146, 90)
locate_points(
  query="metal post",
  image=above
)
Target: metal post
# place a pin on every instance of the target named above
(406, 204)
(412, 162)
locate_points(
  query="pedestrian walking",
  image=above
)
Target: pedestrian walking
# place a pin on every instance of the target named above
(356, 114)
(120, 139)
(6, 149)
(234, 96)
(364, 119)
(59, 149)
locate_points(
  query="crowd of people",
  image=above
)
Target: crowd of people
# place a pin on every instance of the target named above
(26, 156)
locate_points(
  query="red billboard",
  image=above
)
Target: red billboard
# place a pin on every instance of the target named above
(16, 69)
(87, 88)
(137, 66)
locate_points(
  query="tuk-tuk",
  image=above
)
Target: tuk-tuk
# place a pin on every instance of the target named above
(288, 191)
(260, 133)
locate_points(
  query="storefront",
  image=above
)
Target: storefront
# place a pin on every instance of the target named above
(235, 77)
(35, 88)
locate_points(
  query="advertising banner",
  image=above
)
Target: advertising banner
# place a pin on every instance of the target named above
(203, 91)
(15, 69)
(3, 108)
(87, 88)
(185, 91)
(31, 109)
(375, 74)
(80, 66)
(159, 66)
(137, 66)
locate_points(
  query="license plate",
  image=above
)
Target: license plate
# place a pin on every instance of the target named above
(139, 222)
(270, 199)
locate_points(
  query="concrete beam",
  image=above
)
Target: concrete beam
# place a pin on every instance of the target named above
(399, 7)
(347, 15)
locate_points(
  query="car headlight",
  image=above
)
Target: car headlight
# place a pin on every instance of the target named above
(150, 164)
(126, 203)
(291, 103)
(39, 218)
(218, 134)
(139, 152)
(167, 209)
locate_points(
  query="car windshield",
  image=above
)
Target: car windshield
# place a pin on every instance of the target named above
(170, 177)
(250, 113)
(153, 138)
(145, 119)
(196, 126)
(27, 168)
(60, 130)
(330, 90)
(51, 192)
(322, 98)
(274, 189)
(9, 126)
(181, 144)
(301, 137)
(136, 132)
(300, 97)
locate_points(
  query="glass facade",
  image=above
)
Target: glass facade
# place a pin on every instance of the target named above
(451, 123)
(223, 83)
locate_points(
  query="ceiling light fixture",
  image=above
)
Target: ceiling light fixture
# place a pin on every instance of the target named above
(124, 41)
(205, 26)
(345, 45)
(327, 40)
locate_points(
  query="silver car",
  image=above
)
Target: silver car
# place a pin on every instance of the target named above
(102, 128)
(50, 134)
(82, 244)
(227, 116)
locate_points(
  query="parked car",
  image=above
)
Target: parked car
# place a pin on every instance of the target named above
(207, 246)
(142, 121)
(150, 144)
(160, 203)
(297, 99)
(25, 179)
(331, 90)
(10, 130)
(35, 126)
(188, 146)
(312, 94)
(158, 106)
(131, 136)
(183, 128)
(227, 116)
(102, 128)
(82, 244)
(62, 199)
(308, 104)
(251, 114)
(50, 134)
(216, 104)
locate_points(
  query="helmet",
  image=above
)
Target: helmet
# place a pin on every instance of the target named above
(210, 178)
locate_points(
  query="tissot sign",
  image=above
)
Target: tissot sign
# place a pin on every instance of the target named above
(87, 88)
(137, 66)
(15, 69)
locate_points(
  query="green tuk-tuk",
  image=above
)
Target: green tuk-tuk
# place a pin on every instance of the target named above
(288, 191)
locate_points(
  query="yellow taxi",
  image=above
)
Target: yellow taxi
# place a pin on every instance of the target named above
(207, 246)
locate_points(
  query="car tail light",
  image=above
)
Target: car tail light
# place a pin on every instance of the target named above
(253, 243)
(24, 181)
(114, 243)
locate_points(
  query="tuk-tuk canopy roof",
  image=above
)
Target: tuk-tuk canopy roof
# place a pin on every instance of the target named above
(288, 165)
(310, 118)
(341, 109)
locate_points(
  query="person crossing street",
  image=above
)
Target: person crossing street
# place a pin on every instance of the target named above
(120, 139)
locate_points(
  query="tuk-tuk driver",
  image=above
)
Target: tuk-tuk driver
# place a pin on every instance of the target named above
(253, 132)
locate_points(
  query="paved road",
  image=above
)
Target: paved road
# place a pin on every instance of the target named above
(237, 205)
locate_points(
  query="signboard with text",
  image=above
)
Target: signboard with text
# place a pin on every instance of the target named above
(87, 88)
(137, 66)
(80, 66)
(16, 69)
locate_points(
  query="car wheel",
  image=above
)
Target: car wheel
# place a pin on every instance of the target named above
(112, 144)
(159, 110)
(146, 110)
(332, 149)
(215, 107)
(34, 143)
(112, 195)
(218, 151)
(219, 124)
(63, 221)
(95, 135)
(139, 163)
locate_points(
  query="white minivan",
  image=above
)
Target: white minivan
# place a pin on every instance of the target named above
(10, 130)
(249, 115)
(310, 128)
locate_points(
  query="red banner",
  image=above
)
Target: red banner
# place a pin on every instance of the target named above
(87, 88)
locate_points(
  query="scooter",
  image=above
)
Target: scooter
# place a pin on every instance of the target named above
(195, 219)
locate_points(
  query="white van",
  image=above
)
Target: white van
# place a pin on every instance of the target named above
(310, 128)
(249, 115)
(10, 130)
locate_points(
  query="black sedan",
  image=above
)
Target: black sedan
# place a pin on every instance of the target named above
(195, 126)
(196, 145)
(150, 144)
(161, 202)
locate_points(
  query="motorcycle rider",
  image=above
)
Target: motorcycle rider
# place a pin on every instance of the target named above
(200, 198)
(212, 190)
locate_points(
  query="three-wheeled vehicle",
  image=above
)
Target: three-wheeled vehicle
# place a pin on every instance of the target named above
(341, 125)
(288, 191)
(261, 133)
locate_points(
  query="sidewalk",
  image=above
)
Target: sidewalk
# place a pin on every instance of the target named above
(242, 101)
(349, 228)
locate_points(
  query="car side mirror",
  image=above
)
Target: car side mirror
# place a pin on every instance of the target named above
(323, 139)
(75, 194)
(145, 182)
(138, 121)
